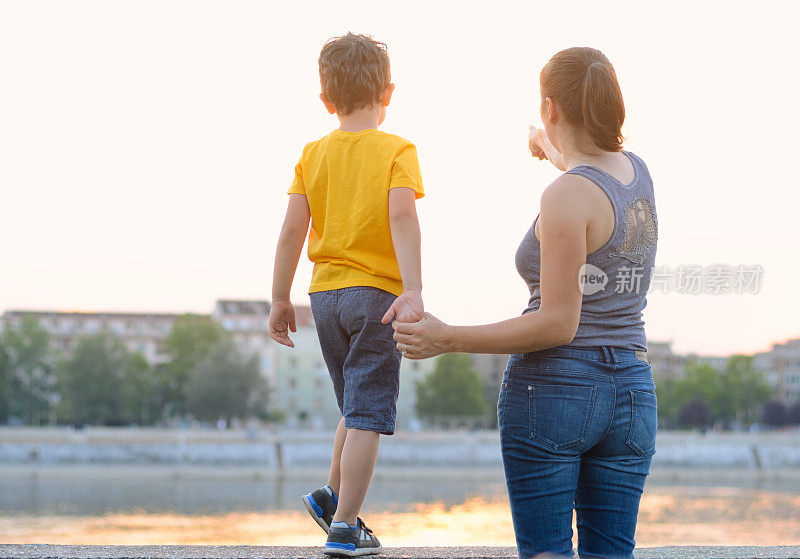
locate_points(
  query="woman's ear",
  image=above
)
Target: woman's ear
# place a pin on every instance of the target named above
(328, 105)
(550, 112)
(387, 95)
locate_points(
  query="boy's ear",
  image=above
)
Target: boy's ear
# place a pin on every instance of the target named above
(387, 95)
(328, 105)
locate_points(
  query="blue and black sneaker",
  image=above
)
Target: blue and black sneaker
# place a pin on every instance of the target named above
(351, 541)
(321, 505)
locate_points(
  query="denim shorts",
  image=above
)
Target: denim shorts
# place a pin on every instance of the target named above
(361, 355)
(577, 431)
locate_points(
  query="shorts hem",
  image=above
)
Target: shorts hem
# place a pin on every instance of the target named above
(383, 429)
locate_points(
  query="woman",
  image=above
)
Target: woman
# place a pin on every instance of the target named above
(577, 407)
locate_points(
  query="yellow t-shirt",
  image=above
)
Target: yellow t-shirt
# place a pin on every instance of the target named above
(346, 177)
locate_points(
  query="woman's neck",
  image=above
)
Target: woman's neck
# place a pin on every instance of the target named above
(578, 149)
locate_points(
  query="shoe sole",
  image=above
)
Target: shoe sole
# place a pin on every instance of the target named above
(314, 515)
(356, 553)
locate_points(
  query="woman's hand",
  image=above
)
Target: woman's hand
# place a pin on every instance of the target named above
(427, 338)
(533, 144)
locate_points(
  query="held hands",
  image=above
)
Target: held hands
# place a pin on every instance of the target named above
(281, 320)
(427, 338)
(406, 308)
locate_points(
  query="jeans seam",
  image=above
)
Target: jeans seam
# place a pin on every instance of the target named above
(612, 410)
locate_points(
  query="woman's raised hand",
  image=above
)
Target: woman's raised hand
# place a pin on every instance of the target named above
(426, 338)
(533, 143)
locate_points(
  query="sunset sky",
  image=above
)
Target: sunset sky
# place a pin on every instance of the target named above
(146, 147)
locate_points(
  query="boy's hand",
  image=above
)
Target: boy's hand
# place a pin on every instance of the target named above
(281, 320)
(406, 308)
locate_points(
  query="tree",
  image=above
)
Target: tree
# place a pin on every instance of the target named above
(139, 391)
(743, 390)
(734, 394)
(226, 384)
(452, 389)
(793, 414)
(775, 413)
(5, 362)
(97, 382)
(696, 413)
(189, 342)
(27, 377)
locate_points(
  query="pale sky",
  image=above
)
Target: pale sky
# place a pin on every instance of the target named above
(146, 147)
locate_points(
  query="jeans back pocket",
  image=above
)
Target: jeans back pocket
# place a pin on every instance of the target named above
(560, 414)
(644, 422)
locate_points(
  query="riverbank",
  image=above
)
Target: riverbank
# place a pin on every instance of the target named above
(777, 453)
(659, 475)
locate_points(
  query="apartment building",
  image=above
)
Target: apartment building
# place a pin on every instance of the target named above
(781, 369)
(299, 384)
(142, 332)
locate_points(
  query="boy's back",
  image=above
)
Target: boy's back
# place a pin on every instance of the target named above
(357, 188)
(346, 177)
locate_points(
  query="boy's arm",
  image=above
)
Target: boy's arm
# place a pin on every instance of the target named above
(287, 255)
(404, 226)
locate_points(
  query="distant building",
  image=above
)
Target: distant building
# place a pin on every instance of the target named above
(781, 369)
(300, 386)
(490, 367)
(666, 365)
(142, 332)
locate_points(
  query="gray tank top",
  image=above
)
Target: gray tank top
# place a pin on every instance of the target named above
(616, 277)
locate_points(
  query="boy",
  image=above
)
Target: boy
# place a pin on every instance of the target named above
(358, 187)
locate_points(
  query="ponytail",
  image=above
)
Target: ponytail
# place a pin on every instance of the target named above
(582, 81)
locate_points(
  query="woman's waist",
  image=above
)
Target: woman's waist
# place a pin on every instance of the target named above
(606, 354)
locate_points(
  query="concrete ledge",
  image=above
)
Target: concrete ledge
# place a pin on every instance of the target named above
(38, 551)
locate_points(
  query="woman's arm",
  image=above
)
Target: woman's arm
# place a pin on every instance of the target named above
(541, 148)
(563, 221)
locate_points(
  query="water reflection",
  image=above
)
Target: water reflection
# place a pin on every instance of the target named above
(402, 512)
(87, 497)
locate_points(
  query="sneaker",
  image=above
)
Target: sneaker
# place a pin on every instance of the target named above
(351, 541)
(321, 505)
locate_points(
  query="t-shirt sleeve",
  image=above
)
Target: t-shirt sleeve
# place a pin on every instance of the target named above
(405, 171)
(298, 186)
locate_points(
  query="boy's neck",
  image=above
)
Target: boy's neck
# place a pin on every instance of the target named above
(367, 118)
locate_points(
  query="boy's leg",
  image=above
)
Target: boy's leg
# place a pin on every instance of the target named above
(371, 375)
(358, 458)
(335, 476)
(335, 345)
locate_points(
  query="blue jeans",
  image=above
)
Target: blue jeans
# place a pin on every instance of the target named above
(577, 430)
(361, 355)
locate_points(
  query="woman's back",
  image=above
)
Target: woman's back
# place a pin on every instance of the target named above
(616, 276)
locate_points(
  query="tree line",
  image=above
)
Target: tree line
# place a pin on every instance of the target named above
(207, 377)
(705, 397)
(735, 397)
(100, 382)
